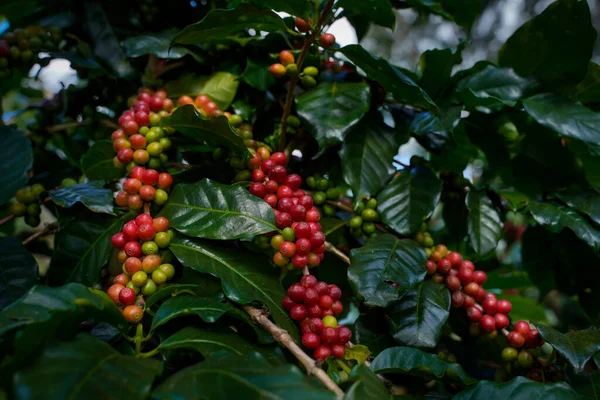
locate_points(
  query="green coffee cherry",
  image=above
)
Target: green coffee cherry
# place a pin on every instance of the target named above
(131, 286)
(333, 194)
(139, 279)
(311, 182)
(322, 184)
(237, 163)
(329, 210)
(161, 197)
(524, 360)
(509, 354)
(149, 247)
(149, 288)
(356, 222)
(34, 209)
(168, 270)
(369, 215)
(158, 276)
(308, 81)
(67, 182)
(330, 321)
(293, 121)
(319, 198)
(162, 239)
(154, 149)
(369, 228)
(165, 143)
(37, 189)
(171, 233)
(311, 71)
(166, 256)
(32, 220)
(371, 204)
(243, 175)
(288, 235)
(25, 195)
(291, 69)
(235, 120)
(18, 209)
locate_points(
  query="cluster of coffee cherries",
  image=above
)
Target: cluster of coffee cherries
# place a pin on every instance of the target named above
(288, 67)
(21, 46)
(486, 313)
(324, 189)
(28, 204)
(423, 237)
(144, 270)
(326, 40)
(363, 223)
(144, 185)
(314, 305)
(302, 241)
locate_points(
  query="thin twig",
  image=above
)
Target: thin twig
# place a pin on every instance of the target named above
(50, 228)
(260, 317)
(340, 205)
(69, 125)
(180, 165)
(6, 219)
(290, 95)
(332, 249)
(147, 208)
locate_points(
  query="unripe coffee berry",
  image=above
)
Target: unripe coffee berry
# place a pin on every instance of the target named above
(133, 314)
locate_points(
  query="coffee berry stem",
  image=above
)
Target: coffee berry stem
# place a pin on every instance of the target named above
(338, 253)
(50, 228)
(6, 219)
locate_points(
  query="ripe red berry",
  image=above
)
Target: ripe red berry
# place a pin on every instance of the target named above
(465, 275)
(515, 339)
(479, 277)
(308, 281)
(267, 165)
(210, 107)
(467, 264)
(298, 312)
(322, 352)
(283, 220)
(302, 246)
(431, 267)
(257, 189)
(130, 127)
(142, 118)
(313, 215)
(490, 305)
(299, 261)
(156, 103)
(258, 175)
(278, 173)
(327, 40)
(130, 230)
(284, 191)
(132, 265)
(143, 219)
(471, 289)
(533, 338)
(487, 324)
(457, 299)
(137, 173)
(474, 314)
(337, 350)
(337, 307)
(317, 239)
(311, 340)
(147, 193)
(300, 193)
(315, 226)
(315, 311)
(118, 240)
(141, 106)
(501, 320)
(149, 177)
(132, 186)
(311, 297)
(329, 335)
(271, 200)
(133, 248)
(279, 158)
(161, 224)
(271, 187)
(469, 301)
(452, 283)
(146, 232)
(125, 155)
(293, 181)
(504, 306)
(322, 288)
(277, 70)
(127, 296)
(287, 249)
(302, 25)
(522, 327)
(325, 302)
(444, 266)
(297, 212)
(137, 142)
(455, 258)
(296, 292)
(316, 325)
(302, 230)
(344, 334)
(287, 303)
(335, 292)
(165, 180)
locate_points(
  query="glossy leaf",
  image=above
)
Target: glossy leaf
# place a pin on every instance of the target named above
(358, 352)
(409, 199)
(221, 88)
(543, 47)
(382, 262)
(484, 224)
(556, 217)
(246, 277)
(216, 131)
(520, 388)
(85, 368)
(16, 160)
(565, 117)
(220, 24)
(588, 90)
(493, 87)
(367, 155)
(417, 319)
(366, 385)
(435, 132)
(436, 66)
(257, 74)
(298, 8)
(92, 194)
(586, 202)
(379, 12)
(81, 249)
(176, 289)
(231, 375)
(515, 200)
(411, 361)
(576, 347)
(369, 331)
(331, 109)
(212, 210)
(391, 78)
(587, 385)
(18, 270)
(153, 43)
(97, 163)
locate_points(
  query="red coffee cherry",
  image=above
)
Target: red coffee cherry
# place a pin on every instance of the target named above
(302, 25)
(327, 40)
(287, 303)
(132, 265)
(146, 232)
(467, 264)
(474, 314)
(130, 230)
(344, 334)
(465, 275)
(127, 296)
(315, 311)
(452, 283)
(329, 335)
(487, 324)
(325, 302)
(316, 325)
(113, 292)
(479, 277)
(296, 292)
(457, 299)
(133, 249)
(431, 267)
(302, 246)
(311, 297)
(257, 189)
(277, 70)
(337, 350)
(501, 320)
(504, 306)
(133, 314)
(444, 266)
(533, 338)
(322, 352)
(302, 230)
(293, 181)
(522, 327)
(308, 281)
(469, 301)
(165, 180)
(298, 312)
(311, 340)
(490, 306)
(515, 339)
(471, 289)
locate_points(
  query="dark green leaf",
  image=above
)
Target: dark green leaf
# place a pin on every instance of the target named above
(543, 47)
(536, 259)
(172, 290)
(390, 77)
(18, 270)
(493, 87)
(589, 155)
(411, 361)
(586, 202)
(331, 109)
(576, 347)
(379, 12)
(516, 200)
(246, 277)
(369, 331)
(367, 155)
(556, 217)
(217, 131)
(17, 160)
(92, 194)
(153, 43)
(366, 385)
(221, 87)
(417, 319)
(588, 90)
(382, 262)
(220, 24)
(587, 385)
(434, 132)
(81, 249)
(298, 8)
(97, 163)
(484, 223)
(432, 6)
(231, 376)
(519, 388)
(507, 279)
(409, 199)
(85, 368)
(257, 74)
(213, 210)
(524, 308)
(437, 67)
(565, 117)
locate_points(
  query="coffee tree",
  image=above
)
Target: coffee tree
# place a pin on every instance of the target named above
(220, 206)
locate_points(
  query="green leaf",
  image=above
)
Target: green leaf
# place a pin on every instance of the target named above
(360, 353)
(81, 249)
(379, 12)
(221, 88)
(18, 270)
(437, 67)
(367, 155)
(409, 199)
(586, 202)
(556, 217)
(369, 331)
(257, 74)
(493, 87)
(587, 385)
(298, 8)
(417, 319)
(17, 160)
(524, 308)
(92, 194)
(176, 289)
(565, 117)
(588, 90)
(331, 109)
(213, 210)
(519, 388)
(245, 276)
(220, 24)
(97, 163)
(85, 368)
(435, 132)
(391, 78)
(153, 43)
(589, 155)
(516, 200)
(484, 224)
(217, 131)
(231, 376)
(543, 47)
(411, 361)
(367, 385)
(536, 258)
(576, 347)
(382, 262)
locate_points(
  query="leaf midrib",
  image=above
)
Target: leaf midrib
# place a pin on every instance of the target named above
(264, 222)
